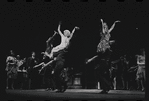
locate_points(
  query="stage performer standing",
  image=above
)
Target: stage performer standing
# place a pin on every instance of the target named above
(11, 68)
(141, 69)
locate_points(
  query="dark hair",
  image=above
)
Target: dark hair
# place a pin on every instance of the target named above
(12, 52)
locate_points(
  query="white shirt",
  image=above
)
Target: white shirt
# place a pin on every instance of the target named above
(64, 43)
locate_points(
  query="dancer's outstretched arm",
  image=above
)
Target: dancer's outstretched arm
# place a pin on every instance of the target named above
(91, 59)
(51, 37)
(73, 32)
(112, 27)
(59, 31)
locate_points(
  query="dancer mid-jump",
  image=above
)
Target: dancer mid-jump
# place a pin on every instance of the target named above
(102, 58)
(59, 52)
(105, 36)
(65, 40)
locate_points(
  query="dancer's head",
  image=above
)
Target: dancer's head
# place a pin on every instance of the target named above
(33, 54)
(18, 57)
(12, 52)
(67, 33)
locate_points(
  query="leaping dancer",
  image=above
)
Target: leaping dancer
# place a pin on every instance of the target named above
(103, 57)
(57, 53)
(105, 36)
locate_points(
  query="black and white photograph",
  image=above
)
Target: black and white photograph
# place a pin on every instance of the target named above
(74, 49)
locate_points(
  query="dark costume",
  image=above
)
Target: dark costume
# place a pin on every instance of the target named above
(59, 66)
(31, 62)
(47, 75)
(102, 70)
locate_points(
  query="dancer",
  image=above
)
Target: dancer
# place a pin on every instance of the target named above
(48, 51)
(65, 39)
(59, 52)
(105, 36)
(141, 69)
(47, 66)
(11, 68)
(21, 73)
(103, 58)
(125, 73)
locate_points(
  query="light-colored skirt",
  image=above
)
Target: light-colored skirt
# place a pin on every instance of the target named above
(141, 72)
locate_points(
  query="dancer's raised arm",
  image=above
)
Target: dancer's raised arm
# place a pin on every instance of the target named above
(102, 25)
(112, 27)
(73, 32)
(59, 31)
(50, 38)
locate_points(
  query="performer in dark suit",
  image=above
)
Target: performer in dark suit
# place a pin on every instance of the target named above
(31, 62)
(102, 70)
(48, 79)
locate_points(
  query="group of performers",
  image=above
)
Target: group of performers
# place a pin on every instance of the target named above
(53, 63)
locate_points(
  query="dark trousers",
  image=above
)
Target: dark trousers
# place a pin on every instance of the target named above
(57, 71)
(105, 82)
(48, 78)
(103, 76)
(33, 80)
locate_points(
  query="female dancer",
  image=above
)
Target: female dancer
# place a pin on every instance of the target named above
(105, 36)
(11, 68)
(102, 58)
(141, 69)
(65, 40)
(60, 52)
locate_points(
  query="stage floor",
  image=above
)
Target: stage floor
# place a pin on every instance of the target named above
(74, 94)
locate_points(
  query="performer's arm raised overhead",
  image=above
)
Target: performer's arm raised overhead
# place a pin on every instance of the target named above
(102, 25)
(73, 32)
(51, 37)
(59, 31)
(112, 27)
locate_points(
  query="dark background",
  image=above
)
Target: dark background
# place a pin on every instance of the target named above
(27, 25)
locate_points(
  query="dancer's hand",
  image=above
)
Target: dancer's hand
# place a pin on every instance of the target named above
(55, 32)
(50, 56)
(101, 20)
(53, 72)
(54, 59)
(117, 21)
(77, 27)
(87, 62)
